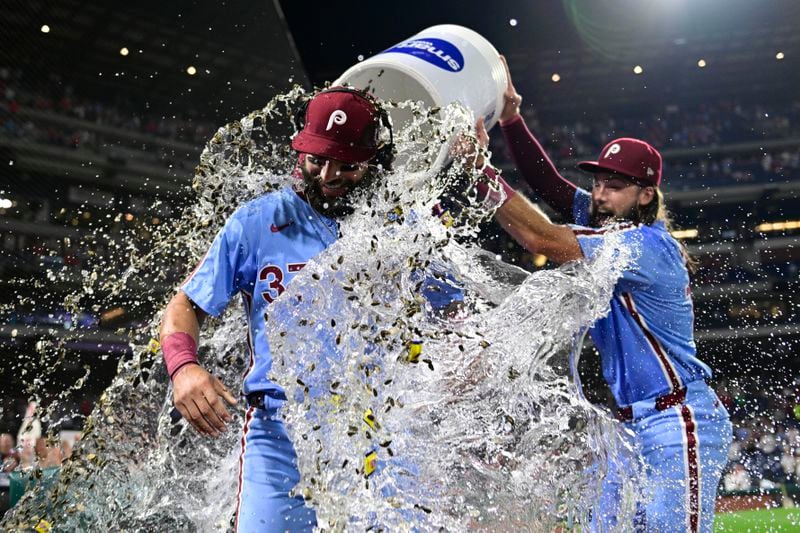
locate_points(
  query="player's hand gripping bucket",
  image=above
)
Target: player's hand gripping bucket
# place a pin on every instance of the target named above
(438, 66)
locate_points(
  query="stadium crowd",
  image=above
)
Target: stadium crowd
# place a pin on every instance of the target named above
(27, 450)
(766, 450)
(707, 126)
(55, 97)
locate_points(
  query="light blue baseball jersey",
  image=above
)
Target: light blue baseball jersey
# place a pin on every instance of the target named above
(257, 253)
(646, 342)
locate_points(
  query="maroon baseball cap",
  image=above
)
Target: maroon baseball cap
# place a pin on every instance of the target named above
(340, 124)
(630, 157)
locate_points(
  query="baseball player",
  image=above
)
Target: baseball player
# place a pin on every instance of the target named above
(256, 254)
(646, 341)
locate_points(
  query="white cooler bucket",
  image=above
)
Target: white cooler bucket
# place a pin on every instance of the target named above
(438, 66)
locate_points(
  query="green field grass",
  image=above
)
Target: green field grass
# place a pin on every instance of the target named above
(763, 521)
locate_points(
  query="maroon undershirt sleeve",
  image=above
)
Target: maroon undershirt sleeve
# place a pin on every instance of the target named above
(536, 167)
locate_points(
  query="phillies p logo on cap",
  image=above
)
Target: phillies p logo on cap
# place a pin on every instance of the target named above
(613, 149)
(338, 117)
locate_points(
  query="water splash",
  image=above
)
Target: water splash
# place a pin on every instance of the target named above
(458, 409)
(479, 430)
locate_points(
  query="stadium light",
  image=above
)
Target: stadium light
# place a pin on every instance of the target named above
(685, 233)
(779, 56)
(191, 71)
(701, 63)
(5, 203)
(778, 226)
(45, 28)
(638, 69)
(123, 51)
(555, 77)
(513, 22)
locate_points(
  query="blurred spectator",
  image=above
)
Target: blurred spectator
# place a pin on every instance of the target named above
(31, 428)
(737, 479)
(765, 461)
(9, 458)
(50, 456)
(8, 462)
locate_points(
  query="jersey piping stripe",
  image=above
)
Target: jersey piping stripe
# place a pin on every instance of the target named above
(247, 420)
(691, 447)
(199, 264)
(661, 355)
(588, 232)
(248, 302)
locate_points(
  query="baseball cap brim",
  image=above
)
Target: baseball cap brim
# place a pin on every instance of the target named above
(594, 167)
(309, 143)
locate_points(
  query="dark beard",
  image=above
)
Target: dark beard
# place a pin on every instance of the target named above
(339, 207)
(597, 220)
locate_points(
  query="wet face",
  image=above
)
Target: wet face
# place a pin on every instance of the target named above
(615, 197)
(331, 184)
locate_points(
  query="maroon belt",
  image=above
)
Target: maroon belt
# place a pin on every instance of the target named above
(662, 402)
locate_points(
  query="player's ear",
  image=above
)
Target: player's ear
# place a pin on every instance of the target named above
(646, 195)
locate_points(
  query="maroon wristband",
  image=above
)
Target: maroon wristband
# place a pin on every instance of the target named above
(179, 350)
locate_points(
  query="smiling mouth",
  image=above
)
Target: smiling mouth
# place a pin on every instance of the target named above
(335, 191)
(602, 217)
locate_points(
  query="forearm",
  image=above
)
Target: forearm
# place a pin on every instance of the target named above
(183, 316)
(180, 333)
(537, 168)
(531, 228)
(196, 393)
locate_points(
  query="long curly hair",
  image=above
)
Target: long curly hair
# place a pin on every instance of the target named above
(657, 210)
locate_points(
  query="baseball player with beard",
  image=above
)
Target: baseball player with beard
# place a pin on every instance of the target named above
(646, 342)
(257, 254)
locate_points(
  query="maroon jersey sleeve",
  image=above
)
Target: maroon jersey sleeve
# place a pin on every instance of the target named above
(537, 168)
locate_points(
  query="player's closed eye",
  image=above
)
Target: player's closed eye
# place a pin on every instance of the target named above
(614, 185)
(343, 167)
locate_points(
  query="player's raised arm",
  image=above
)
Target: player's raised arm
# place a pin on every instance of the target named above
(196, 393)
(520, 218)
(531, 228)
(530, 158)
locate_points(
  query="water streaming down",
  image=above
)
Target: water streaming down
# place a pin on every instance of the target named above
(459, 410)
